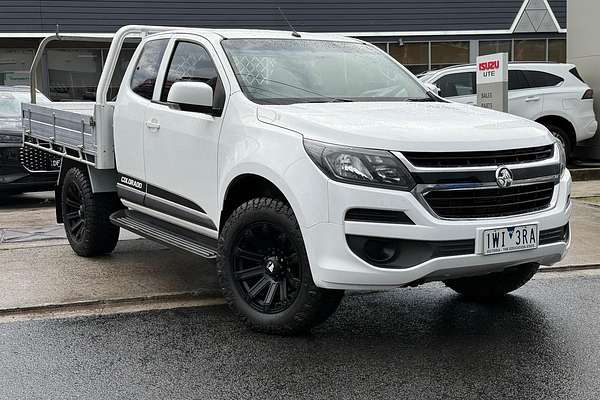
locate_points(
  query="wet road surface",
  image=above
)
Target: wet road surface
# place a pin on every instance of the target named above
(421, 343)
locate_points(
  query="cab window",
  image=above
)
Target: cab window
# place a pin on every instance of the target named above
(191, 62)
(144, 76)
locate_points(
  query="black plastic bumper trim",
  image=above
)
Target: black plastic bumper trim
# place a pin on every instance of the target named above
(409, 253)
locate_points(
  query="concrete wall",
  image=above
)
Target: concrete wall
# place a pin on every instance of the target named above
(583, 50)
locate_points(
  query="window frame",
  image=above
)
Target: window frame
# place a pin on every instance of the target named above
(164, 71)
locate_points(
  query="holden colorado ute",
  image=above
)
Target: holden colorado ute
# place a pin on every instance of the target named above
(306, 165)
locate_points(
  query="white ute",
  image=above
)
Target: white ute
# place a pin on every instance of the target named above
(306, 165)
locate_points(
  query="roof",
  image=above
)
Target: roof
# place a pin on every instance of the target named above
(349, 16)
(261, 34)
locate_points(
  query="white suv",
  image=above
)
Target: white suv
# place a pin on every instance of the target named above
(554, 95)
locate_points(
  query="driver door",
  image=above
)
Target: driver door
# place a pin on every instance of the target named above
(181, 146)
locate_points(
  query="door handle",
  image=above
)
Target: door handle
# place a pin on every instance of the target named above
(532, 98)
(153, 125)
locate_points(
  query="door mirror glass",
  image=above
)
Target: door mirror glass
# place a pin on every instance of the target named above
(194, 94)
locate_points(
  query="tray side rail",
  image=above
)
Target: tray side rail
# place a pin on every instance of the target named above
(62, 133)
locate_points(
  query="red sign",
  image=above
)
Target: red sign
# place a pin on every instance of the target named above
(486, 66)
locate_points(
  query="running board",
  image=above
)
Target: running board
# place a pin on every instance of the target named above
(165, 233)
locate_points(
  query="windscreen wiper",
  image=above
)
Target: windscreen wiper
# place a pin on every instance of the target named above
(420, 99)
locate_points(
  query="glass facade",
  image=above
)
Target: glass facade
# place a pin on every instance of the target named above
(14, 66)
(530, 50)
(429, 55)
(445, 54)
(557, 50)
(414, 56)
(73, 73)
(495, 46)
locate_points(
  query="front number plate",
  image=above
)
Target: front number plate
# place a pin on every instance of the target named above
(505, 240)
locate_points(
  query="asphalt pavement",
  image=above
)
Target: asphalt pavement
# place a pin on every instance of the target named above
(421, 343)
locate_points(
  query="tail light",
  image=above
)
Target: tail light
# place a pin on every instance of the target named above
(589, 94)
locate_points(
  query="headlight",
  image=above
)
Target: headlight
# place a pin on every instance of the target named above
(562, 156)
(360, 166)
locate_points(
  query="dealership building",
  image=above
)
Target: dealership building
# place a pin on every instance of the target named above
(421, 34)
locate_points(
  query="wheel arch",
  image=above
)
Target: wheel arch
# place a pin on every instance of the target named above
(562, 123)
(247, 186)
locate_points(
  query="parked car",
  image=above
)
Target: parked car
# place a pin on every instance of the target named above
(554, 95)
(22, 169)
(253, 148)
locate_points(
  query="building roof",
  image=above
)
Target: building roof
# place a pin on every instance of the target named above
(349, 16)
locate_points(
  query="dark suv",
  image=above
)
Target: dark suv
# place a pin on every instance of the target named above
(22, 169)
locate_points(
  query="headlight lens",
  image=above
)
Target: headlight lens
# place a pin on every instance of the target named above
(360, 166)
(562, 157)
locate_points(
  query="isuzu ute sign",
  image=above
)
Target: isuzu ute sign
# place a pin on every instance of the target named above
(492, 81)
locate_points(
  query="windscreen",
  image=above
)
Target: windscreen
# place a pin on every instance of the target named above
(286, 71)
(10, 103)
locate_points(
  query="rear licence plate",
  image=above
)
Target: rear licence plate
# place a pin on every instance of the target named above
(514, 238)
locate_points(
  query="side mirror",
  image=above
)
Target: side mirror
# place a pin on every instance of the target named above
(432, 88)
(190, 93)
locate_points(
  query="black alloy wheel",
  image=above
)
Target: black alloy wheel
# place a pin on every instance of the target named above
(266, 267)
(74, 217)
(264, 270)
(86, 215)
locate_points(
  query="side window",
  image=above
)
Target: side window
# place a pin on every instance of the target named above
(190, 62)
(538, 79)
(146, 70)
(516, 80)
(461, 84)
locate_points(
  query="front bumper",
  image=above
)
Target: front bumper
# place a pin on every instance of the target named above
(334, 265)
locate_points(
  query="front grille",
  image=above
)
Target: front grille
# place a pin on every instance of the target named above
(490, 202)
(9, 157)
(479, 158)
(38, 160)
(560, 234)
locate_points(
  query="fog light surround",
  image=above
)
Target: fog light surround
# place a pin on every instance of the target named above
(380, 250)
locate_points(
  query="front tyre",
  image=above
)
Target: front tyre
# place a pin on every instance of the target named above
(495, 285)
(86, 215)
(264, 272)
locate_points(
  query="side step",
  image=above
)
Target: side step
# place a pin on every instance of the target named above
(165, 233)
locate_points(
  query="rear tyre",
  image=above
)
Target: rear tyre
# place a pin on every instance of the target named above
(562, 136)
(86, 215)
(264, 272)
(493, 286)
